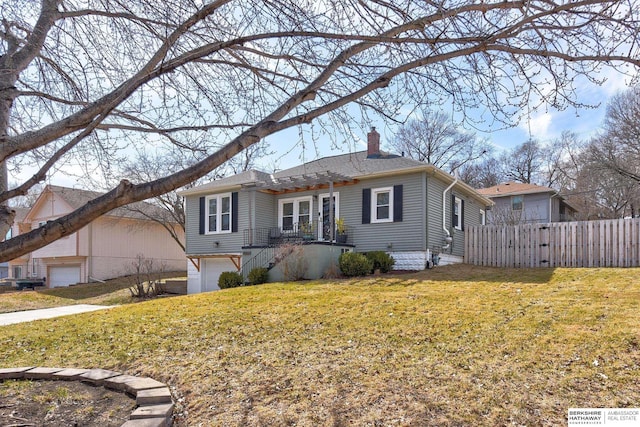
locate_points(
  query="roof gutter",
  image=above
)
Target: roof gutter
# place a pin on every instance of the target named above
(466, 188)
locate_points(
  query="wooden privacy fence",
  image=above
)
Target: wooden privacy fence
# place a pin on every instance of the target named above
(605, 243)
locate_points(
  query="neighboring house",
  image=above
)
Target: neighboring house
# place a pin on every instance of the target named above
(106, 248)
(385, 202)
(519, 203)
(15, 267)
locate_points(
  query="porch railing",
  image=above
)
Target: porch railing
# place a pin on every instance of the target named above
(264, 258)
(297, 233)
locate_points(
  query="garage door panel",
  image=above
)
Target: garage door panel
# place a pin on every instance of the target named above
(212, 270)
(64, 275)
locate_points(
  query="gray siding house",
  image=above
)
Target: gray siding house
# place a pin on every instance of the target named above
(521, 203)
(361, 201)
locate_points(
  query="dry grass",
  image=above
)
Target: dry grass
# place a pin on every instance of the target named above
(451, 346)
(112, 292)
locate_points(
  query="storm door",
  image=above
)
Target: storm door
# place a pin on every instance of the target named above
(324, 205)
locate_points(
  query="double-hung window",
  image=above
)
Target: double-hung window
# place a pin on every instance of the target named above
(294, 213)
(457, 213)
(382, 204)
(218, 214)
(516, 203)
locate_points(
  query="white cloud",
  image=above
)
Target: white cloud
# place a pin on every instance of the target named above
(538, 126)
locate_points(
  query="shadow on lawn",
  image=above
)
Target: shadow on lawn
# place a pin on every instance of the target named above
(92, 290)
(474, 273)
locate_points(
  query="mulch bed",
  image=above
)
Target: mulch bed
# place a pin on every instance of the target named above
(61, 404)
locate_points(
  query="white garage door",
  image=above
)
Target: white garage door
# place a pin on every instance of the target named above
(211, 272)
(64, 276)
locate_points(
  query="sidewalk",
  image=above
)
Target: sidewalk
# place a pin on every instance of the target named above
(47, 313)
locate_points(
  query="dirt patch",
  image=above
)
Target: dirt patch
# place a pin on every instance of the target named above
(61, 404)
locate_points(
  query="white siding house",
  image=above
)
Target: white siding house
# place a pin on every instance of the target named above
(106, 248)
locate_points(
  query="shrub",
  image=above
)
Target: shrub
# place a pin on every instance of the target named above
(381, 260)
(258, 275)
(354, 264)
(292, 261)
(331, 272)
(230, 279)
(145, 286)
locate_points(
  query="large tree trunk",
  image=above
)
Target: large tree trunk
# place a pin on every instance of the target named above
(7, 215)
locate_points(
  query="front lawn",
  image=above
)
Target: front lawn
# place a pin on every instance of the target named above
(456, 345)
(112, 292)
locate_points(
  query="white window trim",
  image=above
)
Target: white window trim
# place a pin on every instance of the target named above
(374, 210)
(458, 205)
(483, 217)
(219, 198)
(296, 209)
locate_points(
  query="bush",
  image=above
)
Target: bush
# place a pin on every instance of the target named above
(258, 275)
(331, 272)
(230, 279)
(354, 264)
(381, 260)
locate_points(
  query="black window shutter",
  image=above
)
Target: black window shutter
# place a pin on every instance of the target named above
(366, 205)
(202, 215)
(462, 215)
(397, 203)
(234, 212)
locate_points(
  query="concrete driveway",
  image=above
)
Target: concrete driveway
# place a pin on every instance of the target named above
(47, 313)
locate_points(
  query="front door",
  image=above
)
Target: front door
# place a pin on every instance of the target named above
(324, 232)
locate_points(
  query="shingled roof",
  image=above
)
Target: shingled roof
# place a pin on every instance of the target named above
(341, 167)
(354, 165)
(76, 198)
(513, 188)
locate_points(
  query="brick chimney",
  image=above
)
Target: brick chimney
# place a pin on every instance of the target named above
(373, 144)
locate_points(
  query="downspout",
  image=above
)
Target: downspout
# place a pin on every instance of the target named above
(444, 213)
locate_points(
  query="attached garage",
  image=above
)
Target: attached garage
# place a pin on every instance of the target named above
(204, 272)
(63, 275)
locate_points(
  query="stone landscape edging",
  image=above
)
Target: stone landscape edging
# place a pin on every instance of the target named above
(154, 405)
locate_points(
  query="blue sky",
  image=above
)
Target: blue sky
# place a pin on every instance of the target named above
(544, 125)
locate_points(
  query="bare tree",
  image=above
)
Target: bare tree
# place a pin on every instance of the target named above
(565, 159)
(437, 140)
(608, 182)
(618, 148)
(88, 82)
(601, 193)
(484, 174)
(247, 159)
(28, 199)
(554, 165)
(147, 167)
(504, 215)
(524, 162)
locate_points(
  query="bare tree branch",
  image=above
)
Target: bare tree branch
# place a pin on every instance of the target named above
(219, 78)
